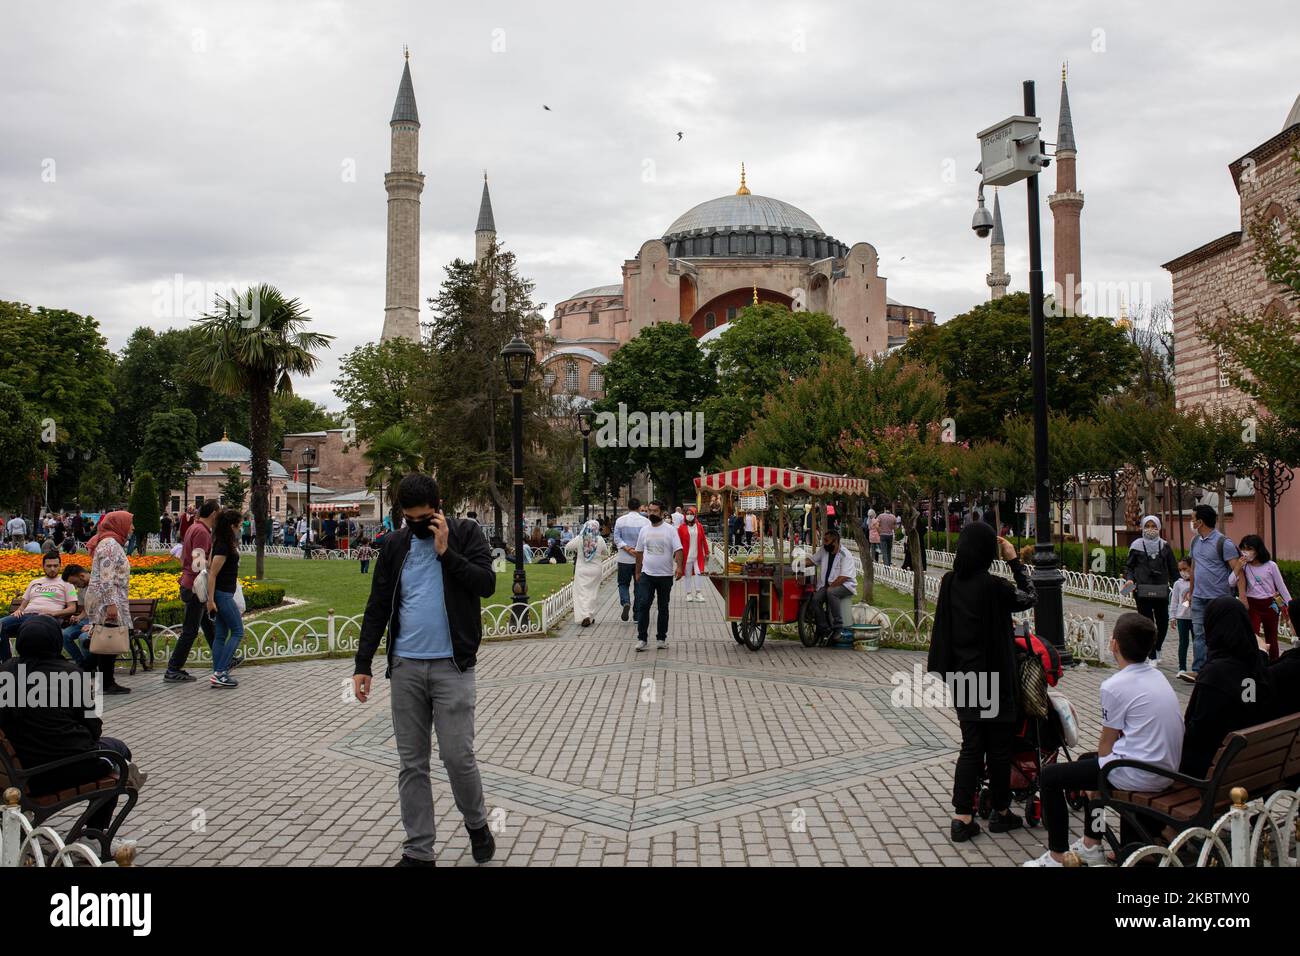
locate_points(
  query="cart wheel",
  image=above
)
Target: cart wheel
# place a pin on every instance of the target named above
(1075, 799)
(753, 632)
(986, 803)
(808, 624)
(736, 633)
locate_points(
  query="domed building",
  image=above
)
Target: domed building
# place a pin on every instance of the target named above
(710, 262)
(214, 458)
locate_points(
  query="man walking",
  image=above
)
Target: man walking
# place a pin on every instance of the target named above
(196, 551)
(888, 521)
(659, 561)
(425, 592)
(1214, 558)
(626, 531)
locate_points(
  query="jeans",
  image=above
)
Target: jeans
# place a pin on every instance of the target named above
(1184, 625)
(229, 631)
(365, 567)
(653, 587)
(72, 644)
(887, 548)
(196, 616)
(425, 692)
(1157, 611)
(1199, 604)
(625, 572)
(983, 740)
(8, 625)
(826, 606)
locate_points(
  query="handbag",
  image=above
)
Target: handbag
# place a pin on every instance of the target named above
(1033, 687)
(109, 639)
(1152, 592)
(200, 588)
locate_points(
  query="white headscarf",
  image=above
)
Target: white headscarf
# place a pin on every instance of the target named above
(1152, 548)
(590, 535)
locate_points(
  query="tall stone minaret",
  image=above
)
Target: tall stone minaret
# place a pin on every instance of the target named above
(404, 183)
(1066, 204)
(998, 279)
(486, 230)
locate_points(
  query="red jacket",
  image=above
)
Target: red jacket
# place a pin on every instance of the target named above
(683, 532)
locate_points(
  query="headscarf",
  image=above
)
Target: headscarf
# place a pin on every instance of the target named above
(1152, 548)
(115, 525)
(39, 638)
(977, 548)
(1228, 632)
(590, 538)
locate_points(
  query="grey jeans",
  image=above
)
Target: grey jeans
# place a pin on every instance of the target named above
(425, 695)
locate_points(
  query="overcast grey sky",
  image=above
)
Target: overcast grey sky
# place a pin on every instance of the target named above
(213, 140)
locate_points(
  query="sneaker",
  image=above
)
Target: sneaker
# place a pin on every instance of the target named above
(116, 689)
(1005, 822)
(222, 680)
(961, 832)
(481, 843)
(662, 645)
(641, 645)
(627, 609)
(1045, 860)
(178, 677)
(135, 777)
(1188, 676)
(412, 861)
(1089, 855)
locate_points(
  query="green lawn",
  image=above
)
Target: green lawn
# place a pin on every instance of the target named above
(341, 585)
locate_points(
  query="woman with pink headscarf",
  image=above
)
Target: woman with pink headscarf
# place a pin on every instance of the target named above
(106, 595)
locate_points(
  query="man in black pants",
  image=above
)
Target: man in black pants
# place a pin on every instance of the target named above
(1140, 720)
(196, 550)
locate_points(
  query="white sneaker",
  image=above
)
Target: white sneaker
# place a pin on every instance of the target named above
(1044, 860)
(661, 645)
(641, 645)
(1089, 855)
(1187, 676)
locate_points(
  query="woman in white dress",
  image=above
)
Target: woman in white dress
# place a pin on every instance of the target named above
(589, 550)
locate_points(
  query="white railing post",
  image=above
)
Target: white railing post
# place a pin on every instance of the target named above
(1239, 826)
(329, 629)
(12, 828)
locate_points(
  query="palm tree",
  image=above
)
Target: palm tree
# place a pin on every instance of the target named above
(393, 454)
(250, 344)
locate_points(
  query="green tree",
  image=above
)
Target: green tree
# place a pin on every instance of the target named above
(144, 508)
(393, 454)
(291, 414)
(233, 489)
(984, 357)
(1072, 453)
(170, 450)
(251, 344)
(380, 383)
(20, 448)
(99, 488)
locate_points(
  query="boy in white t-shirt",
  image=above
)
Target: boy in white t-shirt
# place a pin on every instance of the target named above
(1140, 720)
(658, 563)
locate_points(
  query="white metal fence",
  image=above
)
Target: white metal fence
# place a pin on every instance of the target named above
(1255, 833)
(22, 844)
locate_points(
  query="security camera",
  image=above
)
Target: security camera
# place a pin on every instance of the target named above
(982, 221)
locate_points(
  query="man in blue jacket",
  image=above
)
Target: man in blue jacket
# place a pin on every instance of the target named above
(426, 589)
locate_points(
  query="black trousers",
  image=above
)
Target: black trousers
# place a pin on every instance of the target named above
(652, 589)
(981, 741)
(1158, 611)
(196, 616)
(86, 771)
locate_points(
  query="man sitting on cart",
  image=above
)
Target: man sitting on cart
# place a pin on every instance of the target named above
(836, 577)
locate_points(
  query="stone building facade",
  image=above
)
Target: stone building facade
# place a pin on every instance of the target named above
(1220, 279)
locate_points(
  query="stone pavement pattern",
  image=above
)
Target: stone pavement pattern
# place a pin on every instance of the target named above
(704, 753)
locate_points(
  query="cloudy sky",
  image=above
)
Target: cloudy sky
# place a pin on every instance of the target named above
(239, 142)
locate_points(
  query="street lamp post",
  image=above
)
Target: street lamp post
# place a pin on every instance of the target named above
(1273, 479)
(1011, 151)
(1085, 495)
(518, 359)
(584, 426)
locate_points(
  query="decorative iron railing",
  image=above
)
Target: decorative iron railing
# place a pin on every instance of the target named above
(22, 844)
(1252, 833)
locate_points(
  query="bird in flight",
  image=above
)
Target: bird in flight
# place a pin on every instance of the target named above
(680, 134)
(545, 107)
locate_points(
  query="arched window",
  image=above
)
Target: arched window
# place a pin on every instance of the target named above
(596, 382)
(710, 321)
(571, 376)
(731, 313)
(549, 377)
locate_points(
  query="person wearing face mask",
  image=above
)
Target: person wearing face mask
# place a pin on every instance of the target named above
(1151, 571)
(425, 592)
(1260, 586)
(659, 561)
(836, 579)
(1214, 558)
(696, 547)
(1180, 613)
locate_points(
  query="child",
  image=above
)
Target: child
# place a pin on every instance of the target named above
(1180, 614)
(364, 554)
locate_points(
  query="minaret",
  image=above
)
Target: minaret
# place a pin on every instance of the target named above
(485, 233)
(1066, 204)
(404, 183)
(998, 279)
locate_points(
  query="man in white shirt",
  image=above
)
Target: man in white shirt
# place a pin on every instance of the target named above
(751, 525)
(1140, 720)
(678, 517)
(17, 528)
(659, 562)
(836, 579)
(626, 530)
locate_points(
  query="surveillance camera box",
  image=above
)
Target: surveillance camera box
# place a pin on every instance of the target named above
(1009, 150)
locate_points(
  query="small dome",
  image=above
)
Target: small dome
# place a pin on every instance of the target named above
(1293, 117)
(225, 450)
(599, 291)
(730, 212)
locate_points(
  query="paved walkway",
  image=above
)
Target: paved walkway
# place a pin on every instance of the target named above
(592, 754)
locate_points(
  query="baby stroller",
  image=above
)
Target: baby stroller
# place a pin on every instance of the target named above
(1038, 742)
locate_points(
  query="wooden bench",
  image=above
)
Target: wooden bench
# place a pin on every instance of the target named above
(95, 794)
(1260, 758)
(143, 611)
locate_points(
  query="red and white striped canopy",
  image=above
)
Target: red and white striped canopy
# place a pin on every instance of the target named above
(758, 478)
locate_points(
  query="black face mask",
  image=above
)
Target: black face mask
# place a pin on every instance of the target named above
(830, 548)
(422, 528)
(655, 519)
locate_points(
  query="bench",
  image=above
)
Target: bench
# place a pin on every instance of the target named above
(1260, 758)
(94, 794)
(143, 611)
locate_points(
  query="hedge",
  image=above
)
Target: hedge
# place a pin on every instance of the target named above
(172, 613)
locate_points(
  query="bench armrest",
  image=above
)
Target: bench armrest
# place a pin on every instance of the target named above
(110, 755)
(1107, 791)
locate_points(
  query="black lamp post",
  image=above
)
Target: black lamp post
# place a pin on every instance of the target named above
(518, 359)
(1273, 480)
(584, 426)
(1085, 495)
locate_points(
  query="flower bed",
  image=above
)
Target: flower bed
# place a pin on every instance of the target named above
(165, 587)
(13, 562)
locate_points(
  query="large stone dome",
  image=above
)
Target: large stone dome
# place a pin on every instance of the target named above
(738, 211)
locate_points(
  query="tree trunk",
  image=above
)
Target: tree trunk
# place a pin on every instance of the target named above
(864, 552)
(260, 436)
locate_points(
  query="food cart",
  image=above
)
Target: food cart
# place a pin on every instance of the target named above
(776, 587)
